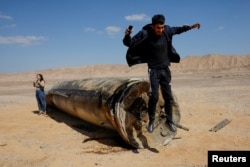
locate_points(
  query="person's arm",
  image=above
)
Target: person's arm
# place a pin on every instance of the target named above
(179, 30)
(196, 25)
(137, 39)
(127, 38)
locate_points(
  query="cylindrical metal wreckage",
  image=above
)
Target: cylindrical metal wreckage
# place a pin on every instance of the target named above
(120, 104)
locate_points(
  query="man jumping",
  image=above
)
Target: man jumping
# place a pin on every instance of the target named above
(153, 45)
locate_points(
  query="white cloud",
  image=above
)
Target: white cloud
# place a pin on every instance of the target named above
(92, 30)
(220, 28)
(23, 40)
(8, 26)
(137, 17)
(89, 29)
(112, 30)
(6, 17)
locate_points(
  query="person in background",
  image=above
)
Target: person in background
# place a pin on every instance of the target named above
(39, 83)
(153, 45)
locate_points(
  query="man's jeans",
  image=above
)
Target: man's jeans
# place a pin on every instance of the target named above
(160, 77)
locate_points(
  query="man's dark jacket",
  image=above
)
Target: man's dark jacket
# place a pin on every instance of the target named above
(137, 52)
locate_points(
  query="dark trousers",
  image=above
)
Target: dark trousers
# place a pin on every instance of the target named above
(41, 100)
(160, 77)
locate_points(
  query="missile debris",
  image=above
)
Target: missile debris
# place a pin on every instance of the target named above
(116, 103)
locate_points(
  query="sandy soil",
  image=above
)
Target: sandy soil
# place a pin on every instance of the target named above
(206, 97)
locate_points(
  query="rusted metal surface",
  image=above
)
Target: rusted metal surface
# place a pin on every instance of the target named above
(115, 103)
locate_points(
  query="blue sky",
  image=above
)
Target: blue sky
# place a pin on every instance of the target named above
(45, 34)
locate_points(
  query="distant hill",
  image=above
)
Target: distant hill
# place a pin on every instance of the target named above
(206, 63)
(213, 62)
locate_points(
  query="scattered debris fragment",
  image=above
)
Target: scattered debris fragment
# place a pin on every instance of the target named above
(182, 127)
(220, 125)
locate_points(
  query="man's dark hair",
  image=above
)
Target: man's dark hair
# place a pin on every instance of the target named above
(158, 19)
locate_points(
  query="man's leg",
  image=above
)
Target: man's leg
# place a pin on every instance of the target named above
(169, 113)
(167, 96)
(153, 98)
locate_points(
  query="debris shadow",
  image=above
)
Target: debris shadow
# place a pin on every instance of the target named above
(104, 136)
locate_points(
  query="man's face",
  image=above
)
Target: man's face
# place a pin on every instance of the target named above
(158, 29)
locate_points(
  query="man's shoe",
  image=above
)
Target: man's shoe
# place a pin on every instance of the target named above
(150, 127)
(171, 126)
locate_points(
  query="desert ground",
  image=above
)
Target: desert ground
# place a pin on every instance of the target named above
(209, 89)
